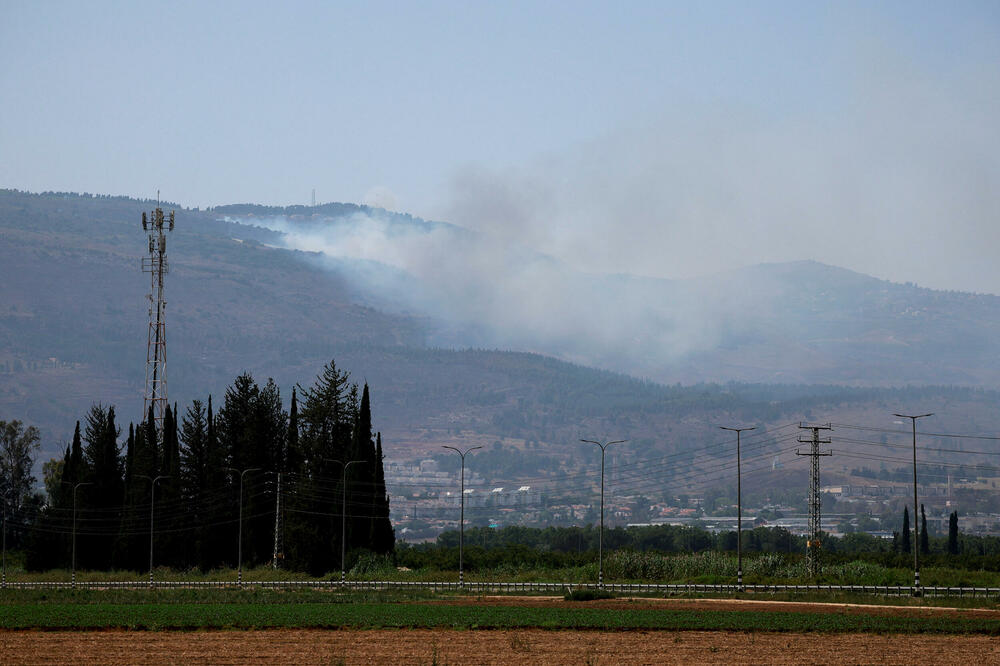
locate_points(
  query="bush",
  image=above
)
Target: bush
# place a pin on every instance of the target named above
(587, 594)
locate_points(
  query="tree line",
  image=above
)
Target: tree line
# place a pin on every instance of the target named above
(188, 483)
(571, 546)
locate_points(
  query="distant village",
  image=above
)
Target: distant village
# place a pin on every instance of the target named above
(426, 502)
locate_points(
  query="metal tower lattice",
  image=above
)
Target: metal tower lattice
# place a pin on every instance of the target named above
(813, 543)
(156, 265)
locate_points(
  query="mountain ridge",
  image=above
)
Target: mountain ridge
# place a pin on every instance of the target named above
(73, 318)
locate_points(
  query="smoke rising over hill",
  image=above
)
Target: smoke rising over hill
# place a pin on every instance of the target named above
(800, 322)
(898, 178)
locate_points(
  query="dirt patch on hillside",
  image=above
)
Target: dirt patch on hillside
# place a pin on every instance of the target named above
(764, 605)
(530, 646)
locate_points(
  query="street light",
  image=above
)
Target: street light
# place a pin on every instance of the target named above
(461, 522)
(916, 530)
(73, 557)
(600, 537)
(239, 549)
(739, 508)
(152, 503)
(3, 576)
(343, 515)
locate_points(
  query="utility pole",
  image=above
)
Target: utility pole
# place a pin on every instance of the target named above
(600, 537)
(739, 508)
(813, 543)
(343, 515)
(461, 522)
(239, 547)
(278, 546)
(916, 523)
(73, 556)
(152, 503)
(3, 576)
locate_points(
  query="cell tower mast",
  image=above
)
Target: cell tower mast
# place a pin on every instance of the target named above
(156, 343)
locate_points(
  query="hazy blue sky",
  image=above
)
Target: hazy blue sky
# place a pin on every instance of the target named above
(664, 138)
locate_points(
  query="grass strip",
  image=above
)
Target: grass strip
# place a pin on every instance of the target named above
(382, 615)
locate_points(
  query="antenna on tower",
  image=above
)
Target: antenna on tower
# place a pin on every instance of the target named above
(156, 265)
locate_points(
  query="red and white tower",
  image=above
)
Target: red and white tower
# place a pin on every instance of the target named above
(156, 345)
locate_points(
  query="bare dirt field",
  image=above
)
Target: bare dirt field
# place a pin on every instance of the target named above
(486, 647)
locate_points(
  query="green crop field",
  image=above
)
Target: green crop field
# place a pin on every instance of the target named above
(157, 616)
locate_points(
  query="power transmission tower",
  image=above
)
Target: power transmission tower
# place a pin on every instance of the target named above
(156, 265)
(813, 543)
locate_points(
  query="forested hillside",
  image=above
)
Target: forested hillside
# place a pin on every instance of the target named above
(73, 332)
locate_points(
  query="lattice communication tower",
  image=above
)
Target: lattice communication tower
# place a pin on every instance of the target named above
(156, 343)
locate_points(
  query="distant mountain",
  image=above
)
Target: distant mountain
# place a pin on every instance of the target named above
(280, 291)
(799, 322)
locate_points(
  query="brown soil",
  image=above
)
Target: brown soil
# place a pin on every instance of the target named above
(643, 603)
(486, 647)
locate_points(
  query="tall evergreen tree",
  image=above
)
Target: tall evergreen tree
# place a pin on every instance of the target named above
(129, 458)
(383, 536)
(73, 471)
(362, 499)
(194, 477)
(294, 458)
(120, 557)
(104, 494)
(217, 499)
(138, 494)
(251, 426)
(953, 533)
(925, 544)
(325, 434)
(904, 543)
(170, 510)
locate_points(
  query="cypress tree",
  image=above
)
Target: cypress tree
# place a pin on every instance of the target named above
(120, 557)
(905, 545)
(105, 491)
(49, 541)
(293, 457)
(362, 499)
(152, 441)
(145, 468)
(268, 443)
(169, 508)
(74, 471)
(194, 477)
(383, 536)
(129, 458)
(953, 533)
(925, 546)
(216, 502)
(251, 429)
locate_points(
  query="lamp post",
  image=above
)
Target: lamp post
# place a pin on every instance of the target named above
(239, 548)
(75, 486)
(600, 537)
(152, 503)
(343, 515)
(461, 522)
(739, 508)
(916, 529)
(3, 576)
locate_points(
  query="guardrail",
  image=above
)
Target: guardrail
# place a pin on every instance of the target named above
(514, 587)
